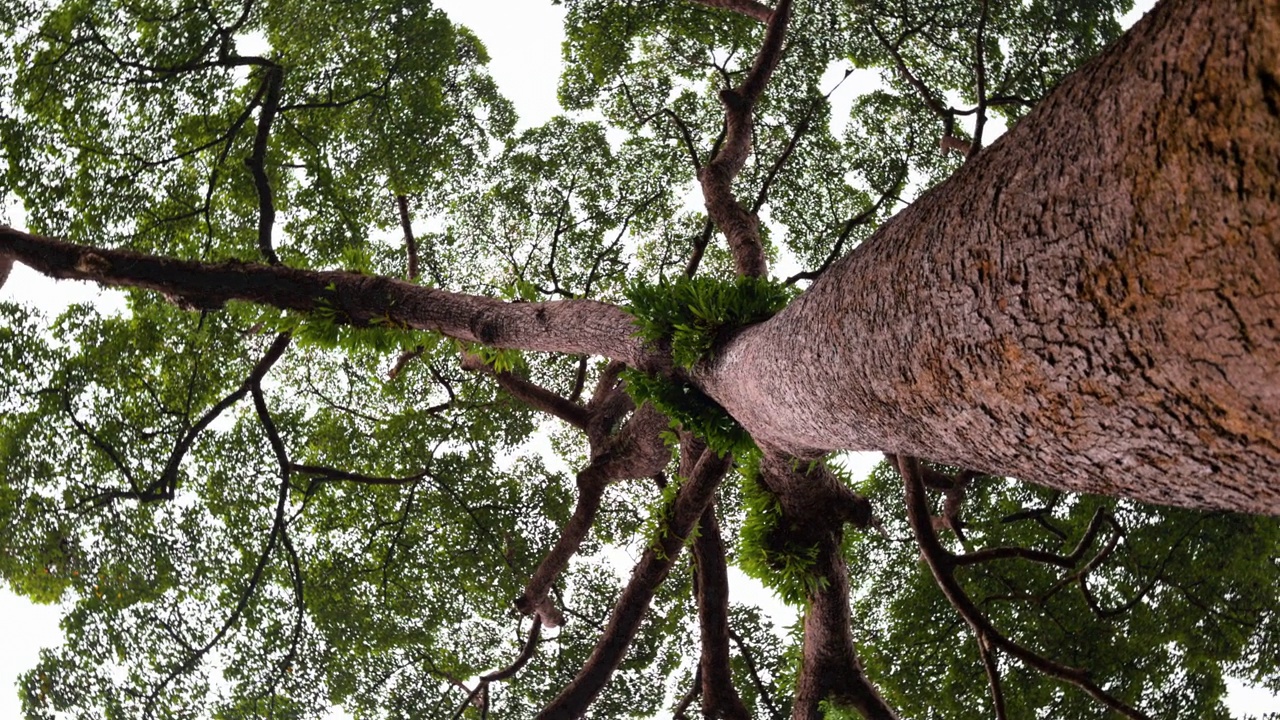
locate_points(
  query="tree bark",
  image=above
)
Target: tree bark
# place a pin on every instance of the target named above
(1091, 302)
(569, 326)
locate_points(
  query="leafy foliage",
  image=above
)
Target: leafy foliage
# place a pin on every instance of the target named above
(695, 315)
(251, 513)
(690, 408)
(766, 545)
(1180, 603)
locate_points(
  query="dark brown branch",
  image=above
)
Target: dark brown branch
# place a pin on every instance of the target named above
(719, 697)
(925, 93)
(106, 449)
(168, 481)
(699, 249)
(1156, 577)
(285, 664)
(941, 564)
(691, 500)
(634, 451)
(993, 678)
(740, 226)
(1100, 518)
(949, 142)
(579, 380)
(402, 361)
(257, 163)
(750, 8)
(531, 394)
(801, 128)
(328, 474)
(535, 600)
(570, 326)
(862, 218)
(980, 72)
(766, 695)
(410, 244)
(481, 689)
(277, 530)
(687, 137)
(678, 713)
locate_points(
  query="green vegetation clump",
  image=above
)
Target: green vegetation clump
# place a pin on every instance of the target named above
(698, 314)
(692, 409)
(767, 549)
(695, 316)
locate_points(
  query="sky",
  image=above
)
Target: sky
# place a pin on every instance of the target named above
(523, 38)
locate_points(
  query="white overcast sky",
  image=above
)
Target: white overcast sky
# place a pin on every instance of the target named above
(523, 38)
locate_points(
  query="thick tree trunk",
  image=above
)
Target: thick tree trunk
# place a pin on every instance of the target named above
(1093, 302)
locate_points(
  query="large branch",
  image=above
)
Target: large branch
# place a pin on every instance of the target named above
(531, 394)
(692, 499)
(482, 687)
(720, 698)
(257, 163)
(830, 669)
(536, 600)
(740, 226)
(815, 508)
(634, 451)
(571, 326)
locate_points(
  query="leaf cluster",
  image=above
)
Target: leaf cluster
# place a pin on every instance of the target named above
(767, 550)
(693, 316)
(690, 408)
(696, 315)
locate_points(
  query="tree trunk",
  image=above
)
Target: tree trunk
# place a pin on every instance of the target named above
(1091, 303)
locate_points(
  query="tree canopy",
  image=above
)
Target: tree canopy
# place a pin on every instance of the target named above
(409, 412)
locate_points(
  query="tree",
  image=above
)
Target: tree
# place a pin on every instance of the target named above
(292, 467)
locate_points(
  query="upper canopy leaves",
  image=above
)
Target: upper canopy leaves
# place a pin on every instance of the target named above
(252, 514)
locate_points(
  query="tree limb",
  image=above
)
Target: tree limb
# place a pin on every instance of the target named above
(257, 163)
(531, 394)
(719, 697)
(750, 8)
(691, 500)
(572, 326)
(410, 243)
(740, 226)
(765, 694)
(481, 689)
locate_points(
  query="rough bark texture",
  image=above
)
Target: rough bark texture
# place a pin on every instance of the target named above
(572, 326)
(1091, 302)
(720, 698)
(830, 669)
(741, 226)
